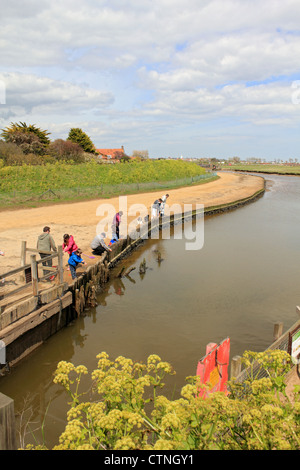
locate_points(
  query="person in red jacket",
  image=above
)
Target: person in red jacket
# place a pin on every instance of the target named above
(69, 245)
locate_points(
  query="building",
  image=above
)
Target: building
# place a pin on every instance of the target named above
(111, 154)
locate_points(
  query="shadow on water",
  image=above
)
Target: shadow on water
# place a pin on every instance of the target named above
(243, 280)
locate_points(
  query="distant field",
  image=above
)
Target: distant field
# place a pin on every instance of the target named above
(36, 185)
(281, 169)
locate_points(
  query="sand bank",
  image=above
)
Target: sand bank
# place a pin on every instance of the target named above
(80, 219)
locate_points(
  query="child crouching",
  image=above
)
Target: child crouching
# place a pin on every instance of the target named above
(73, 261)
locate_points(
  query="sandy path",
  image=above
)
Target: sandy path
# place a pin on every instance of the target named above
(81, 219)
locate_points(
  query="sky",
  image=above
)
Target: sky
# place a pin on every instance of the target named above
(199, 78)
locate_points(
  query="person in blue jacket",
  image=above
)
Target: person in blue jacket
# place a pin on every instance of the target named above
(73, 262)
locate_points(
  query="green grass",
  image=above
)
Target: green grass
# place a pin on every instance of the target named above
(34, 186)
(280, 169)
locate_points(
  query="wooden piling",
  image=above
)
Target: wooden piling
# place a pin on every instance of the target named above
(7, 424)
(278, 330)
(236, 366)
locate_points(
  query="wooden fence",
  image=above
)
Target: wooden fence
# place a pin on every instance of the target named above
(31, 273)
(281, 342)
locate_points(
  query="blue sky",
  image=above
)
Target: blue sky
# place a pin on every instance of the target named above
(200, 78)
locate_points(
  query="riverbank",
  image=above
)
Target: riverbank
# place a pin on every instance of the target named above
(81, 219)
(213, 203)
(266, 169)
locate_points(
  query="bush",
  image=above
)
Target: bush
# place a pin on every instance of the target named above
(11, 154)
(66, 150)
(251, 417)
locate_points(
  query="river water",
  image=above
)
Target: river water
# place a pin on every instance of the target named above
(243, 280)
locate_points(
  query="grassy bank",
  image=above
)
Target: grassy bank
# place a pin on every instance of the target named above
(260, 168)
(32, 186)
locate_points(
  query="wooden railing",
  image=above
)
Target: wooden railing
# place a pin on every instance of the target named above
(281, 341)
(31, 272)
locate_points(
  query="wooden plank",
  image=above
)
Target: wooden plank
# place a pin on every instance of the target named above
(15, 271)
(15, 291)
(49, 268)
(27, 323)
(34, 250)
(39, 261)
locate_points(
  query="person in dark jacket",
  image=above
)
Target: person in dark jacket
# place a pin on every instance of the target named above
(45, 242)
(74, 260)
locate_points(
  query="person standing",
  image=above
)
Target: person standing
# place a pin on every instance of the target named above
(74, 260)
(98, 244)
(116, 224)
(45, 242)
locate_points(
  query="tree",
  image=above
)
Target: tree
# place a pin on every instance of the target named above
(81, 138)
(122, 157)
(66, 150)
(142, 154)
(28, 142)
(29, 138)
(22, 127)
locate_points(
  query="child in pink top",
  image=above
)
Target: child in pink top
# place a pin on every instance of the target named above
(69, 245)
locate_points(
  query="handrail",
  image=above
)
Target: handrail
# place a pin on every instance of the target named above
(281, 341)
(31, 271)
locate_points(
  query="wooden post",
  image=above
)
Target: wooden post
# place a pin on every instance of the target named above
(278, 330)
(60, 265)
(7, 424)
(34, 276)
(236, 366)
(23, 259)
(23, 253)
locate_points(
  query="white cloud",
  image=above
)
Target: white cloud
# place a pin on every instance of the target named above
(32, 94)
(150, 68)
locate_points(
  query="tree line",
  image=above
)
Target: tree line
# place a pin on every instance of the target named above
(22, 143)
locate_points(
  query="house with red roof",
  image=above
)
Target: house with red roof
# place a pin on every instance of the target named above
(111, 154)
